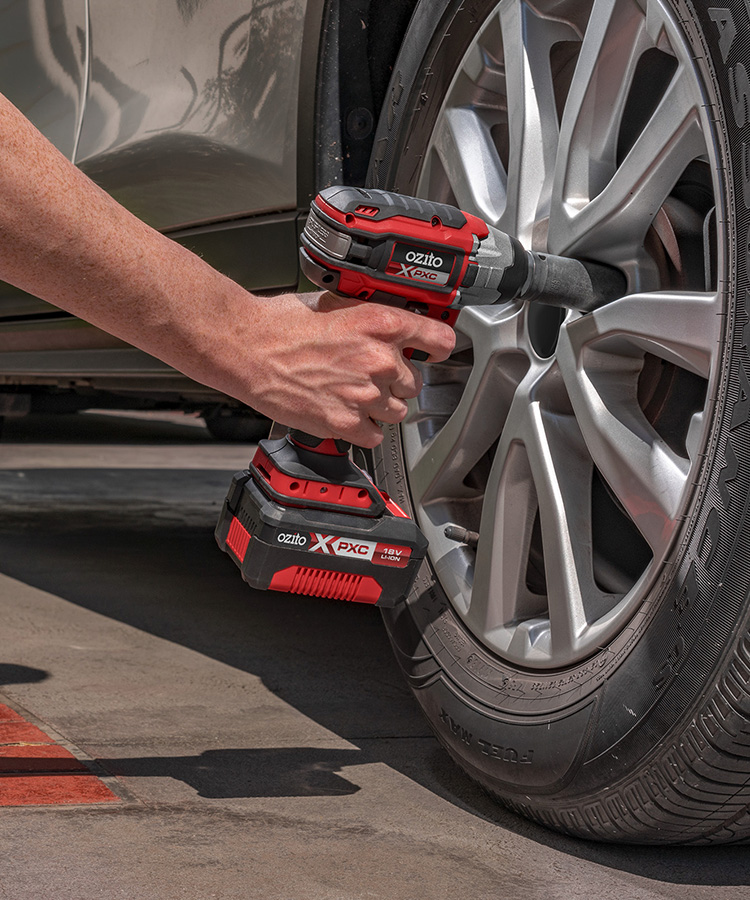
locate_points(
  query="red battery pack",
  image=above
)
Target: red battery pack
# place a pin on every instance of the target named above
(306, 523)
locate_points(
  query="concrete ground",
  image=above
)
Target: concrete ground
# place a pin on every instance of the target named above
(262, 746)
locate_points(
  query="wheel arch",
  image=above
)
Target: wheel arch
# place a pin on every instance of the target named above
(349, 95)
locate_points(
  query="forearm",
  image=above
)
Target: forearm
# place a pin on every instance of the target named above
(65, 240)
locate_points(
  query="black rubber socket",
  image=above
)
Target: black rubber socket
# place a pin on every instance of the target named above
(514, 277)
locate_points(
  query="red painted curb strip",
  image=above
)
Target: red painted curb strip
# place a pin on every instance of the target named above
(36, 771)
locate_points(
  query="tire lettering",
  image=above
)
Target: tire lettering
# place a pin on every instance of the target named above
(728, 474)
(724, 21)
(741, 411)
(745, 167)
(458, 730)
(739, 87)
(667, 671)
(452, 639)
(481, 670)
(688, 592)
(710, 538)
(398, 90)
(506, 754)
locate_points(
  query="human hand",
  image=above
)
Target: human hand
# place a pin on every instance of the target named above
(334, 367)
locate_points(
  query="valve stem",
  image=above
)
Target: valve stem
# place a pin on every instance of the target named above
(462, 535)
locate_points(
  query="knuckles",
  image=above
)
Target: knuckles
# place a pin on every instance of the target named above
(369, 395)
(384, 363)
(445, 340)
(386, 324)
(397, 328)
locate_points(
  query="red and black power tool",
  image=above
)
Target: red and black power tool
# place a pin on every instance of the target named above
(303, 517)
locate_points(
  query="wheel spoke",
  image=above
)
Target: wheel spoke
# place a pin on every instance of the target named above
(542, 463)
(681, 327)
(601, 205)
(614, 223)
(607, 60)
(600, 357)
(500, 594)
(561, 468)
(646, 476)
(440, 467)
(464, 145)
(532, 114)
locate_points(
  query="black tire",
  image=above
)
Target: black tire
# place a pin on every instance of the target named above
(234, 426)
(646, 738)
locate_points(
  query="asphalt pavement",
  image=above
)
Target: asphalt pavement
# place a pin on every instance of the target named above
(249, 745)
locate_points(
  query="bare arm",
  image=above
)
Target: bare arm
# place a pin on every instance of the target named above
(324, 364)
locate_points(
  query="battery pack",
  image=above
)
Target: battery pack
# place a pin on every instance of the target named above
(355, 544)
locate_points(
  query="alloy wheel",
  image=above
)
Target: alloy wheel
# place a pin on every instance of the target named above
(569, 443)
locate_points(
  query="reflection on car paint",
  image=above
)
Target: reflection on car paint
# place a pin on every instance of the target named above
(43, 64)
(191, 110)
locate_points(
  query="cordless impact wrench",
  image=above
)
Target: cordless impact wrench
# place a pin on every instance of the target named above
(303, 517)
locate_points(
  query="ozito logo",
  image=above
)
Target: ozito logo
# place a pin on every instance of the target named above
(424, 259)
(295, 540)
(420, 264)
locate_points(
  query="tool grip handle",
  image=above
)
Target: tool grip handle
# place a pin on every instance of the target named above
(324, 446)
